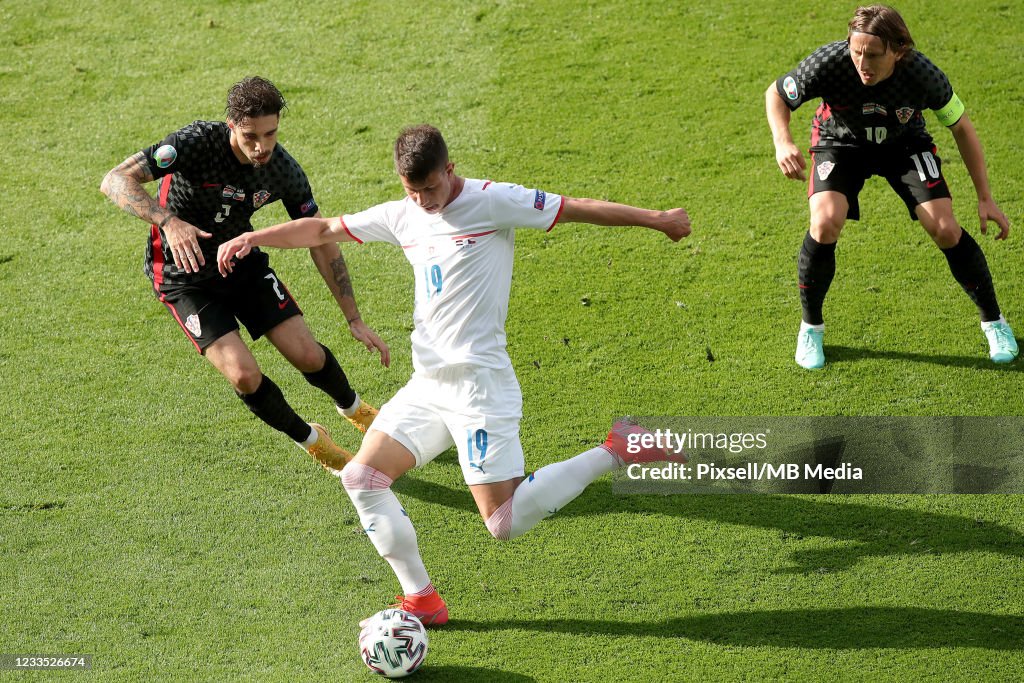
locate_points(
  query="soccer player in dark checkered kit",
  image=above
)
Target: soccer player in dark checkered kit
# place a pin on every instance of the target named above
(874, 87)
(214, 176)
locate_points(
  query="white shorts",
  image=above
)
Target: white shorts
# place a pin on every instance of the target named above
(476, 409)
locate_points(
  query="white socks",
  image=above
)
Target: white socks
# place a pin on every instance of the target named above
(311, 439)
(386, 524)
(541, 495)
(548, 490)
(351, 410)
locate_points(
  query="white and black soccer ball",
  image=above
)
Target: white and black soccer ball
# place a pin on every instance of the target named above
(393, 643)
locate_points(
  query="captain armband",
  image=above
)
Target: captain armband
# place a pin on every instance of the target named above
(952, 112)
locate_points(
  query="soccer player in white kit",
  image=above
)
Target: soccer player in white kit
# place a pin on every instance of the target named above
(458, 234)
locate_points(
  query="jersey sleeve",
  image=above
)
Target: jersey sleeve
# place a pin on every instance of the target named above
(376, 224)
(806, 81)
(298, 200)
(938, 92)
(515, 206)
(178, 152)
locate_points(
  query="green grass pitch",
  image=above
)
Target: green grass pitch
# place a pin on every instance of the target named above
(148, 519)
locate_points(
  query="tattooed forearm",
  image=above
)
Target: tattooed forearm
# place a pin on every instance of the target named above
(341, 277)
(123, 185)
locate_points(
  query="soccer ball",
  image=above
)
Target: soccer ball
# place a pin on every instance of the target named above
(393, 643)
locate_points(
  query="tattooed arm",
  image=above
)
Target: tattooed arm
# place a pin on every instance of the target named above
(331, 264)
(123, 186)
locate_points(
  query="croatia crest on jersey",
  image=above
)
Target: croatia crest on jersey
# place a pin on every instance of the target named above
(259, 198)
(192, 325)
(903, 114)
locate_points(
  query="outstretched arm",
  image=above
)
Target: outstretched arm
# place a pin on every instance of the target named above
(675, 223)
(974, 159)
(321, 235)
(787, 155)
(302, 232)
(331, 264)
(123, 185)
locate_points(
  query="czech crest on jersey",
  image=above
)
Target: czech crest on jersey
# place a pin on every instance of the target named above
(903, 114)
(260, 197)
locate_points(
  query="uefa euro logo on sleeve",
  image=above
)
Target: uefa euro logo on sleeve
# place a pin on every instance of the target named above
(165, 156)
(539, 199)
(789, 85)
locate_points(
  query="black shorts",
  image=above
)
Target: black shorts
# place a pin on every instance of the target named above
(208, 310)
(913, 170)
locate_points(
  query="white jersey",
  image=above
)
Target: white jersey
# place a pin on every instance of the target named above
(462, 258)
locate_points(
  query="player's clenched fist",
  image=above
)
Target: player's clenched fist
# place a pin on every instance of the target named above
(677, 224)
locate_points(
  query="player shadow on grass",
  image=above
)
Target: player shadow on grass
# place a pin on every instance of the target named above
(469, 674)
(860, 530)
(847, 628)
(847, 354)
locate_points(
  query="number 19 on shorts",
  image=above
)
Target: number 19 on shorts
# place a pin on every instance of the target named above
(476, 446)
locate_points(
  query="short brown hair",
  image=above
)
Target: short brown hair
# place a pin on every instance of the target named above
(884, 22)
(253, 97)
(419, 151)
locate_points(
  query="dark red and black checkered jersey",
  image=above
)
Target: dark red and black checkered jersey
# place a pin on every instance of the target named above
(852, 114)
(202, 182)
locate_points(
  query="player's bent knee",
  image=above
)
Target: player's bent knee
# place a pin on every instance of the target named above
(826, 229)
(359, 477)
(245, 380)
(946, 235)
(500, 522)
(310, 358)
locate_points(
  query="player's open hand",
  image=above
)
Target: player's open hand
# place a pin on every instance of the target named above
(238, 248)
(989, 210)
(791, 161)
(183, 239)
(364, 334)
(675, 223)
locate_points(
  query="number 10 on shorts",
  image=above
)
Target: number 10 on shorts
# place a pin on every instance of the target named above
(479, 440)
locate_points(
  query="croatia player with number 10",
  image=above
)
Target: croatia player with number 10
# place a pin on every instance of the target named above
(458, 234)
(874, 87)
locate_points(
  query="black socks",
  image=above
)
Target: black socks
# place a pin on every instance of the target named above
(969, 267)
(269, 404)
(331, 380)
(816, 266)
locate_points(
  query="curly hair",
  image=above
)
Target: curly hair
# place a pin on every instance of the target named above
(253, 97)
